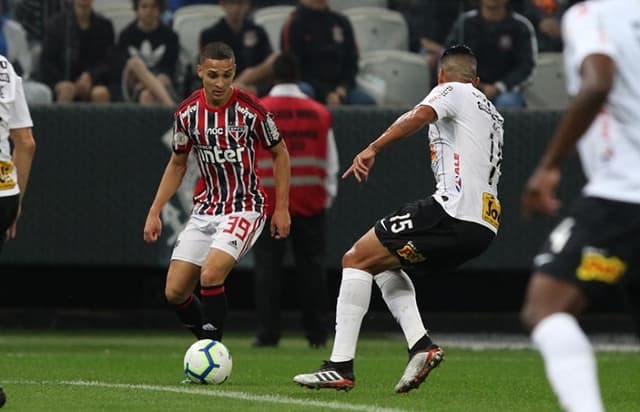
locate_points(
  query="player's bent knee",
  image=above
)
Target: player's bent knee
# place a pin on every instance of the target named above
(352, 259)
(175, 296)
(212, 278)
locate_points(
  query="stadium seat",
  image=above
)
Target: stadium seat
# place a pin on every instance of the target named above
(547, 90)
(378, 29)
(100, 5)
(272, 18)
(341, 5)
(120, 17)
(189, 21)
(394, 77)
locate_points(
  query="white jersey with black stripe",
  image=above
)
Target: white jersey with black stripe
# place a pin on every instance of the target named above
(466, 153)
(610, 149)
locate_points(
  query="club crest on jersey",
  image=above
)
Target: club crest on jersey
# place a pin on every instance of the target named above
(237, 132)
(410, 253)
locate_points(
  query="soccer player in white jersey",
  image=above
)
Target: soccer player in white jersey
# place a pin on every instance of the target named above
(595, 250)
(223, 126)
(15, 165)
(453, 225)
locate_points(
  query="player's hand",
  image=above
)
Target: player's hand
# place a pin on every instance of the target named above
(280, 224)
(362, 163)
(152, 228)
(539, 195)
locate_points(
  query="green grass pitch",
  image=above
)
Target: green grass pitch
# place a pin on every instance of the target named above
(110, 371)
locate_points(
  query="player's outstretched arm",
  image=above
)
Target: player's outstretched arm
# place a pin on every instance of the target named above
(597, 73)
(169, 184)
(405, 125)
(281, 220)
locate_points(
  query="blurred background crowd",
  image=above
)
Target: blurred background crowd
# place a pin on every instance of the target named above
(358, 52)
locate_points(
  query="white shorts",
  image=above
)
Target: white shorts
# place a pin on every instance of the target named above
(234, 234)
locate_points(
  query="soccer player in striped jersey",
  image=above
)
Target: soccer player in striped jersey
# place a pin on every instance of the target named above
(223, 126)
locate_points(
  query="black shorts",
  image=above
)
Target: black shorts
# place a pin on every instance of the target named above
(426, 239)
(8, 210)
(596, 247)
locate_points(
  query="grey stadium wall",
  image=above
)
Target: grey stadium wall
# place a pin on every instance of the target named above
(97, 168)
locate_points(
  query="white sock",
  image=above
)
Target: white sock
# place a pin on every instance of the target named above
(399, 294)
(569, 362)
(352, 305)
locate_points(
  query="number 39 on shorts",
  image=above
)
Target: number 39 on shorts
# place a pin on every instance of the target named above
(491, 209)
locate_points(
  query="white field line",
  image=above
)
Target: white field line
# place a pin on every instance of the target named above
(217, 393)
(480, 342)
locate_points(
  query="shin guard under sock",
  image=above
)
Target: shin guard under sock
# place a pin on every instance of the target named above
(214, 308)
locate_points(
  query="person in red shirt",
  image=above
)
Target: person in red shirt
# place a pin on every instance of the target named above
(223, 126)
(306, 126)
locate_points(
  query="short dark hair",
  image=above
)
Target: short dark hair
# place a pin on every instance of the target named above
(217, 50)
(463, 58)
(286, 68)
(160, 4)
(458, 50)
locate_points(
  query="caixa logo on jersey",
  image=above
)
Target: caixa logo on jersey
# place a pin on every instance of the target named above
(237, 132)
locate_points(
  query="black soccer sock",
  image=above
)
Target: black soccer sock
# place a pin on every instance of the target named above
(343, 367)
(190, 314)
(214, 305)
(424, 343)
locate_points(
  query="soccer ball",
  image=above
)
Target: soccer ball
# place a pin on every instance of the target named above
(208, 361)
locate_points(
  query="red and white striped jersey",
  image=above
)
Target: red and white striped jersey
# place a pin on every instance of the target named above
(225, 140)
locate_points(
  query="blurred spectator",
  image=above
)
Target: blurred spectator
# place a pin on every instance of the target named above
(306, 127)
(14, 46)
(266, 3)
(435, 19)
(545, 15)
(75, 54)
(33, 14)
(248, 40)
(173, 5)
(149, 50)
(324, 43)
(505, 45)
(422, 16)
